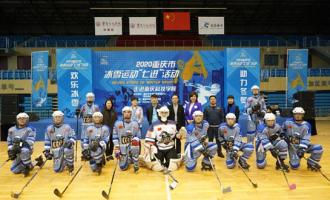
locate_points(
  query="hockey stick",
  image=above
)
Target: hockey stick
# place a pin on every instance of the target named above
(255, 185)
(60, 194)
(4, 163)
(174, 184)
(291, 186)
(224, 190)
(15, 195)
(319, 167)
(313, 162)
(77, 133)
(104, 193)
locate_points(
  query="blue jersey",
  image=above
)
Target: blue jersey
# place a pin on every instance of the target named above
(228, 133)
(298, 134)
(27, 134)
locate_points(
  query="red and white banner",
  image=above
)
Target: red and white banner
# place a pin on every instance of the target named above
(211, 25)
(108, 26)
(142, 26)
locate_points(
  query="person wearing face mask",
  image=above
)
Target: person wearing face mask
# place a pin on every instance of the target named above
(86, 112)
(20, 142)
(126, 139)
(109, 118)
(268, 139)
(231, 140)
(256, 109)
(152, 115)
(159, 144)
(232, 107)
(59, 143)
(95, 143)
(197, 144)
(297, 134)
(191, 107)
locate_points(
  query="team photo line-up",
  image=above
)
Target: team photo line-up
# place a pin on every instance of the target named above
(104, 135)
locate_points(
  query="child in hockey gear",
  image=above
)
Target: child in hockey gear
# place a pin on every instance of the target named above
(231, 140)
(59, 142)
(86, 112)
(126, 139)
(95, 141)
(196, 143)
(160, 143)
(297, 134)
(268, 139)
(20, 142)
(256, 109)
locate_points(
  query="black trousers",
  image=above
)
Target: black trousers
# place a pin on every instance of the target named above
(109, 149)
(165, 156)
(212, 133)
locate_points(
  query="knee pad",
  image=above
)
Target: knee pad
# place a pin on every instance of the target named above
(294, 165)
(175, 163)
(230, 164)
(261, 164)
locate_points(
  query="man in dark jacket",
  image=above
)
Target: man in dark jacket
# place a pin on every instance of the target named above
(213, 114)
(152, 114)
(177, 115)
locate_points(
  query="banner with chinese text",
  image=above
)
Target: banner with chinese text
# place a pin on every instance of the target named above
(74, 78)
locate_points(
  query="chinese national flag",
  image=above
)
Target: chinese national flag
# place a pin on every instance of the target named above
(176, 21)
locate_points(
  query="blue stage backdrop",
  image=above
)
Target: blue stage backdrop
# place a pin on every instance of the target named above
(39, 78)
(242, 71)
(74, 78)
(297, 72)
(122, 74)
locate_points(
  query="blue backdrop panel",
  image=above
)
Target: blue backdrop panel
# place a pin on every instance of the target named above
(39, 78)
(297, 72)
(74, 78)
(242, 71)
(122, 74)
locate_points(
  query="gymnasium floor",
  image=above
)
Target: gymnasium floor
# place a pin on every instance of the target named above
(152, 185)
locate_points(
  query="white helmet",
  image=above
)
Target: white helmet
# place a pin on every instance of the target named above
(22, 115)
(57, 113)
(90, 94)
(126, 108)
(298, 110)
(230, 116)
(269, 116)
(255, 87)
(163, 109)
(198, 113)
(97, 114)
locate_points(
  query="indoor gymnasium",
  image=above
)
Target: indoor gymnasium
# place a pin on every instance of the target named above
(164, 99)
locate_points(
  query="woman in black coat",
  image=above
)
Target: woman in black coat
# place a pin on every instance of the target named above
(109, 119)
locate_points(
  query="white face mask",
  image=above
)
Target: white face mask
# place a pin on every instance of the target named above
(163, 116)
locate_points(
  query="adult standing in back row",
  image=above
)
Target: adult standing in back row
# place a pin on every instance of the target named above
(213, 114)
(191, 107)
(109, 118)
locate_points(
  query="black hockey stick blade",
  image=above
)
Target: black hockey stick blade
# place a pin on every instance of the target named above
(226, 189)
(105, 195)
(58, 193)
(15, 195)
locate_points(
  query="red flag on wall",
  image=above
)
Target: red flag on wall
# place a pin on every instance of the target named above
(176, 21)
